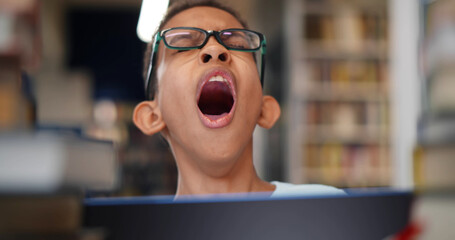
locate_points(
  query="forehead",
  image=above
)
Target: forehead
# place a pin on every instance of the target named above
(208, 18)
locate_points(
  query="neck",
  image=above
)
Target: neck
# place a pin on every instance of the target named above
(235, 175)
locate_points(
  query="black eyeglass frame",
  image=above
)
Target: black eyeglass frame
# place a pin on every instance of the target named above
(159, 36)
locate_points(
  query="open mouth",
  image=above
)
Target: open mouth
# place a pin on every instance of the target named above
(216, 101)
(216, 97)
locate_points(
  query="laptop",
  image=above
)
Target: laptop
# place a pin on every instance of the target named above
(357, 215)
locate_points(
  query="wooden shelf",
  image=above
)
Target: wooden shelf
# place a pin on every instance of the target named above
(351, 92)
(319, 134)
(339, 177)
(331, 7)
(333, 49)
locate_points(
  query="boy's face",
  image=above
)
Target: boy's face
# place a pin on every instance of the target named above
(210, 99)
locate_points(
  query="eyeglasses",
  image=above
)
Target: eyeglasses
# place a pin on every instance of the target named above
(188, 38)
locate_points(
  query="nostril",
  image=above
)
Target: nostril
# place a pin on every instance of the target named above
(206, 58)
(222, 57)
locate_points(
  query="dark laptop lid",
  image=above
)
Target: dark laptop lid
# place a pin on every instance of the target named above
(362, 215)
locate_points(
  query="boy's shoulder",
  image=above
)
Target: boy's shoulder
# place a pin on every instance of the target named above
(288, 189)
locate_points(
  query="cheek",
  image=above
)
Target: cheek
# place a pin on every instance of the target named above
(171, 92)
(174, 73)
(174, 97)
(248, 71)
(249, 89)
(247, 66)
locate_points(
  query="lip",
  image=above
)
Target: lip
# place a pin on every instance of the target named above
(217, 121)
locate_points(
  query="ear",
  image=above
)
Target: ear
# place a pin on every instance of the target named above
(147, 117)
(270, 112)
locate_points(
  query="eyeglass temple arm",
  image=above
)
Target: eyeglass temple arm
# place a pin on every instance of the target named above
(151, 65)
(263, 52)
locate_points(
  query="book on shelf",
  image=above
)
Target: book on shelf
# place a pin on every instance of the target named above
(434, 166)
(441, 85)
(16, 108)
(347, 28)
(19, 51)
(347, 165)
(19, 32)
(40, 214)
(438, 57)
(46, 162)
(345, 113)
(345, 70)
(43, 217)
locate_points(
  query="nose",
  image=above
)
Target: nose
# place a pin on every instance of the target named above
(214, 51)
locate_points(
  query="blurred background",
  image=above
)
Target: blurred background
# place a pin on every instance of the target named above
(366, 89)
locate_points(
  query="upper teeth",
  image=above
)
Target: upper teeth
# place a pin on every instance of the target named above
(217, 79)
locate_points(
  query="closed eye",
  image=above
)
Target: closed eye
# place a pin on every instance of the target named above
(237, 46)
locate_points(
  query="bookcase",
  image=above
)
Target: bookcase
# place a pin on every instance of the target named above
(19, 48)
(338, 92)
(434, 160)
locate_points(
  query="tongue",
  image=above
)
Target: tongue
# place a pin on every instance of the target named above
(215, 99)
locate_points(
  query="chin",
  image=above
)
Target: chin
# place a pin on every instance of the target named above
(224, 154)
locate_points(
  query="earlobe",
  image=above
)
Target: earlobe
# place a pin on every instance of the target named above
(270, 112)
(147, 117)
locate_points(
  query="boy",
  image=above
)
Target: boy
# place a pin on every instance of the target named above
(207, 100)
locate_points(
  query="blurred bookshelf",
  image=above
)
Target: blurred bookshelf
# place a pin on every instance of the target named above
(339, 93)
(53, 148)
(434, 153)
(18, 22)
(101, 89)
(434, 156)
(42, 173)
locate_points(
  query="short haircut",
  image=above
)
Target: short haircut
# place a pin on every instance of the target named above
(174, 9)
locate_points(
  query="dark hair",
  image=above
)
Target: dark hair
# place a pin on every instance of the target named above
(174, 9)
